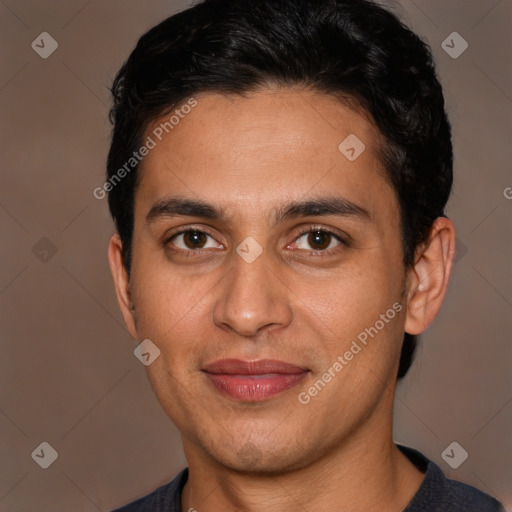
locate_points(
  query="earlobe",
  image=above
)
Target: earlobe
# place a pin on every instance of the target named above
(428, 278)
(121, 283)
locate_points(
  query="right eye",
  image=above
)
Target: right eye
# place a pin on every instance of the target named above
(192, 240)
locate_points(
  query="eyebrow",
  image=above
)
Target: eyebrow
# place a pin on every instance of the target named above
(332, 205)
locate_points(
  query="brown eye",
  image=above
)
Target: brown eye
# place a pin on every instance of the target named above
(319, 240)
(193, 240)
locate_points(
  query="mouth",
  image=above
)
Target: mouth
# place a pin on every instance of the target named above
(253, 381)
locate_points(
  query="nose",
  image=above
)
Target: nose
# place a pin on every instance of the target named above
(252, 299)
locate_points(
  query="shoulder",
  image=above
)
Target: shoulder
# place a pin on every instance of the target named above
(438, 493)
(469, 498)
(166, 498)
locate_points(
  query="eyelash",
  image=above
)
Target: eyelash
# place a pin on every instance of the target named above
(311, 229)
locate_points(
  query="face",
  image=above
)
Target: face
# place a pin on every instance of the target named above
(257, 238)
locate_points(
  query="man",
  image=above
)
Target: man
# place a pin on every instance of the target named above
(278, 176)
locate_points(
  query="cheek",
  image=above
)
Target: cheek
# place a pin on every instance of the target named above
(166, 303)
(354, 295)
(174, 310)
(358, 313)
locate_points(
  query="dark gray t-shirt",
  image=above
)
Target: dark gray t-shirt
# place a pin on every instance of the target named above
(436, 493)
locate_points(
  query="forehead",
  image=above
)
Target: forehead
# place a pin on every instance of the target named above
(261, 148)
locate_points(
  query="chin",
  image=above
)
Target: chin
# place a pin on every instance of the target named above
(258, 458)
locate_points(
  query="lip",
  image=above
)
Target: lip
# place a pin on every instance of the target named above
(253, 381)
(258, 367)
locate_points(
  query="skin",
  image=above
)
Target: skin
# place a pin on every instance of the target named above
(298, 302)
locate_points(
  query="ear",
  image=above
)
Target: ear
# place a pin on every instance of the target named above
(428, 278)
(121, 283)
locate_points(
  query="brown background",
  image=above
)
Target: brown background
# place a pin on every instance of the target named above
(68, 373)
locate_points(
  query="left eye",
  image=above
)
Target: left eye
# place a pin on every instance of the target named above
(317, 240)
